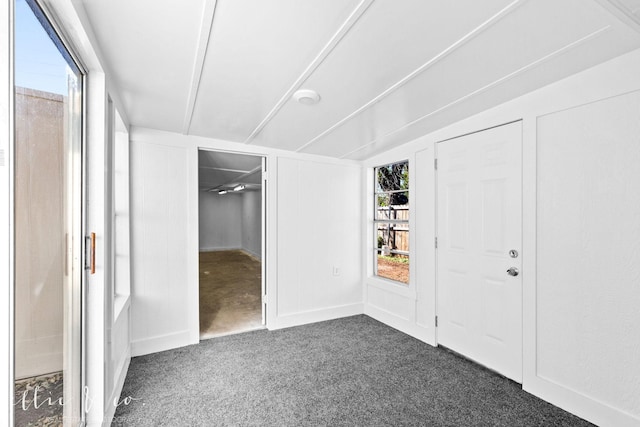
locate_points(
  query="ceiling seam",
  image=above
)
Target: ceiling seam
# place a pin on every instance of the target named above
(198, 67)
(344, 29)
(488, 86)
(452, 48)
(621, 13)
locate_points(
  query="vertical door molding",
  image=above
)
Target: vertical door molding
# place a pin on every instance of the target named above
(193, 266)
(423, 226)
(529, 249)
(94, 285)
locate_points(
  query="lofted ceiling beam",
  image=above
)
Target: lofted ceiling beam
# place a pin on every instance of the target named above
(203, 43)
(431, 62)
(485, 88)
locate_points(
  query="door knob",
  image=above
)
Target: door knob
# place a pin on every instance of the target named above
(513, 271)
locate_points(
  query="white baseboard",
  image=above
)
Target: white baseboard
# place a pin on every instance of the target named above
(162, 343)
(594, 411)
(234, 248)
(401, 324)
(306, 317)
(219, 248)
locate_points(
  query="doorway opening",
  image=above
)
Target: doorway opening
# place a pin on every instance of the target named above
(231, 210)
(48, 223)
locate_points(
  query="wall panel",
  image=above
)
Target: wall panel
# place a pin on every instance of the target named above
(588, 282)
(318, 226)
(160, 207)
(410, 308)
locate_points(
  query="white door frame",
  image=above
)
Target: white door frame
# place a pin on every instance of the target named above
(263, 233)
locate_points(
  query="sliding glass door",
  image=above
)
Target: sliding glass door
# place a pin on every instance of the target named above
(48, 223)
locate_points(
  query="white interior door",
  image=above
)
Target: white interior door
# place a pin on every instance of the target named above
(479, 239)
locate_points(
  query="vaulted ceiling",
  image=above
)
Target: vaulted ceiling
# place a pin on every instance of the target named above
(387, 71)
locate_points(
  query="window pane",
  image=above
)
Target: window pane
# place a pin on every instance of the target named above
(392, 177)
(382, 206)
(48, 230)
(392, 206)
(392, 237)
(393, 267)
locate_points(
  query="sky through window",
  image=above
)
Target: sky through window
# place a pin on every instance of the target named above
(38, 64)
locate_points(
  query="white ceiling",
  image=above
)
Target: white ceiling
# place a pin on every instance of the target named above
(387, 71)
(224, 171)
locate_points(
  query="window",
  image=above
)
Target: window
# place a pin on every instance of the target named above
(120, 247)
(391, 221)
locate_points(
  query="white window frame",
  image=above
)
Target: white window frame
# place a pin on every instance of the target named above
(376, 222)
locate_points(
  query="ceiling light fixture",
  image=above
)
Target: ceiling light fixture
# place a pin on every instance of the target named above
(239, 188)
(306, 96)
(222, 192)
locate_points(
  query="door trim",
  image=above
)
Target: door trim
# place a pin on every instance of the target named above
(263, 234)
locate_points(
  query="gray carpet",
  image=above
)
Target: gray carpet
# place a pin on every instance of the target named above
(352, 371)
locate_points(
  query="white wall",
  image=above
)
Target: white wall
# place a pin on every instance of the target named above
(313, 225)
(410, 308)
(252, 223)
(318, 231)
(588, 250)
(230, 221)
(220, 221)
(580, 254)
(160, 201)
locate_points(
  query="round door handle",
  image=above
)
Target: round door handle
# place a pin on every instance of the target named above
(513, 271)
